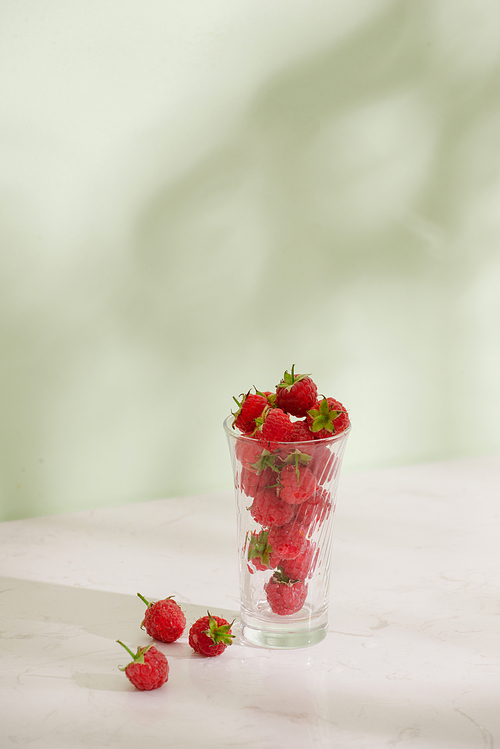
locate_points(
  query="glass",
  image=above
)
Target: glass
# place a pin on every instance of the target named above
(285, 498)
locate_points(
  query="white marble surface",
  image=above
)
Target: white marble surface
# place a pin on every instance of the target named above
(411, 661)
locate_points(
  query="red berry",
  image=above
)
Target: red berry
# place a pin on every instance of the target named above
(296, 394)
(287, 541)
(252, 483)
(148, 669)
(310, 515)
(303, 565)
(268, 509)
(210, 635)
(274, 426)
(260, 553)
(328, 416)
(163, 620)
(249, 408)
(285, 596)
(248, 451)
(297, 484)
(301, 431)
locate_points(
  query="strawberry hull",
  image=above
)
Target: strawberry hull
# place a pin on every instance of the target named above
(285, 495)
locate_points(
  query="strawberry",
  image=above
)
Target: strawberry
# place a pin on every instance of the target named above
(327, 417)
(284, 595)
(296, 394)
(249, 408)
(148, 668)
(274, 426)
(210, 635)
(287, 541)
(297, 484)
(163, 620)
(303, 565)
(268, 509)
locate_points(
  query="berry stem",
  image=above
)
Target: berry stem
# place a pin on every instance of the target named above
(126, 648)
(144, 600)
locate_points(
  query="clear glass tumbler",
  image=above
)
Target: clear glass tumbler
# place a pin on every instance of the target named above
(285, 494)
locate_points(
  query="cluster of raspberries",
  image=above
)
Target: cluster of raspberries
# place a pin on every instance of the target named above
(284, 464)
(165, 621)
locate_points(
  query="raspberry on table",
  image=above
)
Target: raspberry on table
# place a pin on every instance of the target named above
(296, 394)
(210, 635)
(148, 668)
(285, 596)
(163, 620)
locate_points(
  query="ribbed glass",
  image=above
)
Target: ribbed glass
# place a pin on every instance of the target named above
(285, 499)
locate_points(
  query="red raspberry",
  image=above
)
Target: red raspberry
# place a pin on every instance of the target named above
(310, 515)
(252, 483)
(260, 554)
(163, 620)
(323, 463)
(303, 565)
(249, 408)
(248, 451)
(268, 509)
(210, 635)
(301, 431)
(327, 417)
(296, 394)
(285, 596)
(297, 484)
(274, 426)
(287, 541)
(148, 669)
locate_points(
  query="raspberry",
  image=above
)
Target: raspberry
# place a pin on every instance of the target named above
(287, 541)
(210, 635)
(163, 620)
(323, 463)
(249, 408)
(296, 394)
(260, 553)
(274, 426)
(303, 565)
(285, 596)
(268, 509)
(310, 515)
(252, 483)
(327, 417)
(148, 669)
(297, 484)
(301, 431)
(248, 451)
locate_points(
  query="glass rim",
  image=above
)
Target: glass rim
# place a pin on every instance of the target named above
(228, 428)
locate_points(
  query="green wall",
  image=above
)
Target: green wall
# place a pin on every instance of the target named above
(194, 196)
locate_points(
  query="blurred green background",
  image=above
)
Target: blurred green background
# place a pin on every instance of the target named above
(194, 196)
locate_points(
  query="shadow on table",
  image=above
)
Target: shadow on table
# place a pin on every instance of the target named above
(98, 613)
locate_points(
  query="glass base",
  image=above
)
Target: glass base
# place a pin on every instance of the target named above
(287, 633)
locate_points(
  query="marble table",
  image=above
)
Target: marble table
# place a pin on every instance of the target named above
(411, 660)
